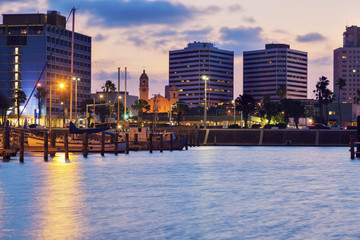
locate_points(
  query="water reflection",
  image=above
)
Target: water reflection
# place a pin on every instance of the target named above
(60, 213)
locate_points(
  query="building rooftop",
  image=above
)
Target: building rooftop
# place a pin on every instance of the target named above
(276, 45)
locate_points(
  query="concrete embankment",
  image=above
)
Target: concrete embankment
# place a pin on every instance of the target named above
(275, 137)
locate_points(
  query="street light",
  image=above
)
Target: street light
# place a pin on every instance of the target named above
(62, 86)
(76, 81)
(234, 102)
(205, 78)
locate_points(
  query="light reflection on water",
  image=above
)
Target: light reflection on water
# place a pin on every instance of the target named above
(203, 193)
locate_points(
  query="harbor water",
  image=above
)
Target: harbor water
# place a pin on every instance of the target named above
(202, 193)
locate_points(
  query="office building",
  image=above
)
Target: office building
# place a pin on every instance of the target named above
(346, 65)
(38, 46)
(188, 66)
(276, 66)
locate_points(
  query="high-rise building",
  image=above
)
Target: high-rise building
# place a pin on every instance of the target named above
(275, 67)
(346, 65)
(189, 67)
(38, 46)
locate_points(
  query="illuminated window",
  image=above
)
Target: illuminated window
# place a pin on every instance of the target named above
(343, 56)
(16, 85)
(16, 76)
(16, 50)
(332, 113)
(16, 59)
(354, 70)
(16, 68)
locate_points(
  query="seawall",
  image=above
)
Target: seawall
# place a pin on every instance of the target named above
(275, 137)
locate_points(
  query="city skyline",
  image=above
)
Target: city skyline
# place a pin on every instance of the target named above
(141, 33)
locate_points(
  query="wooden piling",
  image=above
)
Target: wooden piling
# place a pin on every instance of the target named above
(150, 143)
(127, 143)
(179, 142)
(21, 157)
(52, 143)
(193, 137)
(352, 148)
(186, 142)
(85, 140)
(171, 142)
(6, 145)
(66, 145)
(102, 144)
(46, 146)
(161, 143)
(190, 141)
(116, 140)
(136, 138)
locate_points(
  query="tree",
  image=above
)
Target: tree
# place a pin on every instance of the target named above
(180, 108)
(324, 96)
(20, 98)
(246, 104)
(281, 91)
(108, 88)
(297, 111)
(141, 106)
(269, 109)
(286, 105)
(40, 95)
(341, 83)
(357, 97)
(5, 104)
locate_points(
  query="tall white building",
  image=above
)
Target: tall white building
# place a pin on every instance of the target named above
(346, 64)
(276, 66)
(188, 66)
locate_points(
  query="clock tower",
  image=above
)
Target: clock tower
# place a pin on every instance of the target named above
(144, 87)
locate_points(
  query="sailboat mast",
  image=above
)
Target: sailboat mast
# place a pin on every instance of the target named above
(125, 98)
(118, 99)
(72, 62)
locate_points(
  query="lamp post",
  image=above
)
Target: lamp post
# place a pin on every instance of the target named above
(234, 102)
(205, 78)
(62, 86)
(76, 105)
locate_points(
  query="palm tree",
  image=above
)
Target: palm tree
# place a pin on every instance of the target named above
(357, 97)
(140, 106)
(296, 110)
(269, 109)
(324, 96)
(20, 98)
(341, 83)
(109, 88)
(5, 104)
(180, 108)
(40, 95)
(246, 104)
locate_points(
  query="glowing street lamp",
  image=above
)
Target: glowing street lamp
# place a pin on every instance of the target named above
(205, 78)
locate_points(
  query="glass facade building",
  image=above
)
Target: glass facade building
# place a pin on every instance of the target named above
(38, 46)
(188, 66)
(276, 66)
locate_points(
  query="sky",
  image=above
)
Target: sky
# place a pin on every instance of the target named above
(138, 34)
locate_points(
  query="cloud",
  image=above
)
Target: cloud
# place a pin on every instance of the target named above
(241, 38)
(324, 61)
(122, 13)
(249, 19)
(310, 37)
(100, 37)
(235, 8)
(137, 40)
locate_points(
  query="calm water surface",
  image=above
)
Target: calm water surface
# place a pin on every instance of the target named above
(203, 193)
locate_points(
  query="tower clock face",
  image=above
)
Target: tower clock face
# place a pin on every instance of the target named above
(144, 89)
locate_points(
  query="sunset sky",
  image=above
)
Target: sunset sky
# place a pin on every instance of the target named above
(138, 34)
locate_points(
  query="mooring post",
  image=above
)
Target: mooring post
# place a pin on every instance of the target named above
(186, 142)
(193, 136)
(66, 145)
(190, 140)
(85, 140)
(127, 143)
(352, 151)
(21, 157)
(171, 142)
(161, 143)
(150, 143)
(357, 139)
(6, 144)
(46, 146)
(102, 144)
(180, 141)
(52, 143)
(136, 138)
(116, 140)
